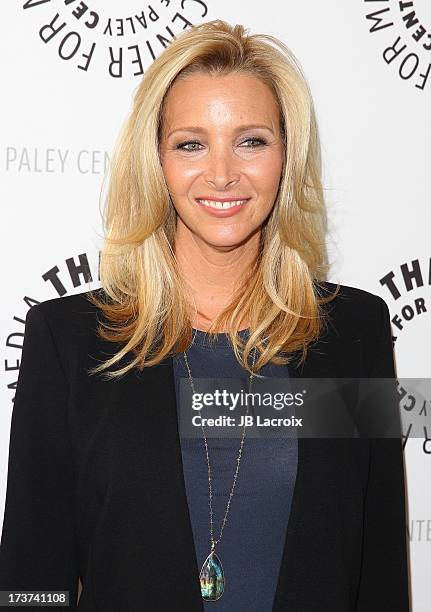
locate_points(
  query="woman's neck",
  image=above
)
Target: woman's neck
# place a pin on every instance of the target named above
(212, 274)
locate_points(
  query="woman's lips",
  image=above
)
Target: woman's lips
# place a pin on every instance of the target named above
(229, 211)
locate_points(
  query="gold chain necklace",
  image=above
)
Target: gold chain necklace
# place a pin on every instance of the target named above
(212, 578)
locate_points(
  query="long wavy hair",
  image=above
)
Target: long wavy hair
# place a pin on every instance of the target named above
(143, 299)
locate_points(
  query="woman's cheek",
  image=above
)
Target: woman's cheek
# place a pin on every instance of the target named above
(266, 173)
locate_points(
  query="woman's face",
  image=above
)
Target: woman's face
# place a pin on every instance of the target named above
(221, 141)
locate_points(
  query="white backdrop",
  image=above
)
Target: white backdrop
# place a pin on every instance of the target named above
(68, 76)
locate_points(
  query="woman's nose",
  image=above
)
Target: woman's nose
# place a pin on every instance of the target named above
(221, 167)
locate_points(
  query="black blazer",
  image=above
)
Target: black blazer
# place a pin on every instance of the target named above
(96, 490)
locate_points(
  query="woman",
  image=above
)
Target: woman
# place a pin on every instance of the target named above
(213, 265)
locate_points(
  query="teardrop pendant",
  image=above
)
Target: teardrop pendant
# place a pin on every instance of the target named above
(212, 578)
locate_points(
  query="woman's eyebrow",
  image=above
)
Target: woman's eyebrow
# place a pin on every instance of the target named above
(240, 128)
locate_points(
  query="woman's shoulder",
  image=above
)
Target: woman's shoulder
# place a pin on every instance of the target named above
(349, 296)
(75, 311)
(77, 303)
(70, 322)
(354, 310)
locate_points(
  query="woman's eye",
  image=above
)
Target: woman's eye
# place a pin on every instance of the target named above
(260, 142)
(183, 145)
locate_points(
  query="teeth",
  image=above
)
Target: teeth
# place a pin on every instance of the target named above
(221, 205)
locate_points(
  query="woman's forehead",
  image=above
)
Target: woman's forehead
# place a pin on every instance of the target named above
(201, 100)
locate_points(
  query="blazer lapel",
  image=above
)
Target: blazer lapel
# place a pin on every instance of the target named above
(295, 586)
(309, 536)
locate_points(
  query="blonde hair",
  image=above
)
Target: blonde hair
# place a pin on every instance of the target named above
(143, 297)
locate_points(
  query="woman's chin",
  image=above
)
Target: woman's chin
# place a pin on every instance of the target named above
(226, 240)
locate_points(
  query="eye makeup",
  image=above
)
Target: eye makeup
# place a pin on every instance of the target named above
(261, 142)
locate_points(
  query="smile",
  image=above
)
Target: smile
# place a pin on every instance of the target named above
(221, 205)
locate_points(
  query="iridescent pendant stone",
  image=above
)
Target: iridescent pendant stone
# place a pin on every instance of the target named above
(212, 578)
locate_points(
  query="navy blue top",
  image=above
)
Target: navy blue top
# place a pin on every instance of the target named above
(254, 534)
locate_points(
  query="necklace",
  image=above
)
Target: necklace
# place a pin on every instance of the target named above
(212, 578)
